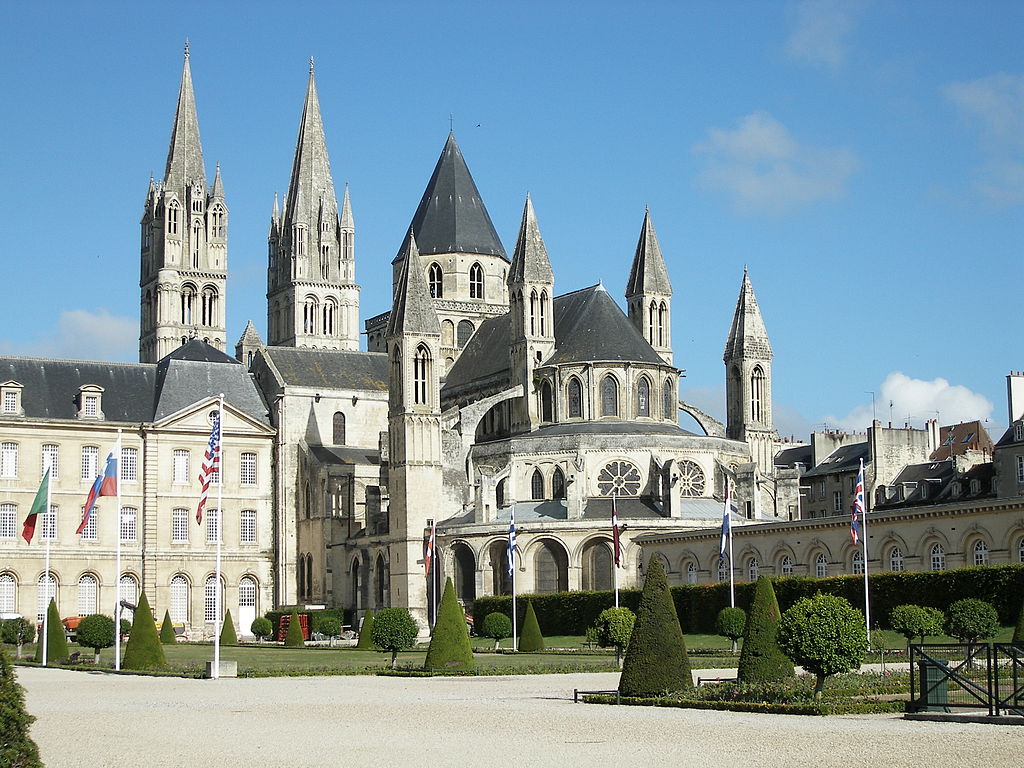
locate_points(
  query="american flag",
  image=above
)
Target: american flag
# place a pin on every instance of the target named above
(211, 465)
(428, 558)
(858, 505)
(512, 541)
(615, 535)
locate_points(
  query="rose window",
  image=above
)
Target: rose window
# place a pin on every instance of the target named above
(691, 479)
(619, 478)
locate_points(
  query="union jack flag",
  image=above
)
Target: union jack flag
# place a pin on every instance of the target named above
(858, 505)
(211, 465)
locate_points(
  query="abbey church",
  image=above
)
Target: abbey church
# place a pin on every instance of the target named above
(486, 393)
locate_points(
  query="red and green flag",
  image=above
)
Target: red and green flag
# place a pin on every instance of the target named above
(28, 530)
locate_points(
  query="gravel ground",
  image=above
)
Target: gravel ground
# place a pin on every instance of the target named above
(95, 719)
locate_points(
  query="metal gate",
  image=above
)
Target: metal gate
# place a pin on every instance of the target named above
(980, 676)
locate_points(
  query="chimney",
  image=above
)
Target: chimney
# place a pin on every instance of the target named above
(1015, 395)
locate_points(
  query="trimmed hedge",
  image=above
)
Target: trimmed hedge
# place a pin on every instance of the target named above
(851, 708)
(761, 660)
(56, 640)
(344, 615)
(697, 605)
(530, 637)
(143, 650)
(449, 642)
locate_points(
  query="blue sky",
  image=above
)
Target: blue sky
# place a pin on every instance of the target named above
(864, 159)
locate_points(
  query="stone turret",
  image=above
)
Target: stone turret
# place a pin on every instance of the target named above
(649, 292)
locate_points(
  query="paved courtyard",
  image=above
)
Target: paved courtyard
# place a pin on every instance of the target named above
(94, 719)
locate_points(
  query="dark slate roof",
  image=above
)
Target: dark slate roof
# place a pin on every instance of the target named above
(345, 455)
(451, 217)
(183, 381)
(198, 351)
(933, 475)
(1008, 436)
(530, 261)
(609, 428)
(843, 459)
(626, 508)
(790, 457)
(485, 355)
(330, 368)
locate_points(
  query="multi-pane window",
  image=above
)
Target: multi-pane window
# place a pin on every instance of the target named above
(179, 599)
(8, 594)
(821, 566)
(858, 563)
(46, 591)
(212, 597)
(938, 557)
(49, 527)
(575, 399)
(537, 485)
(129, 523)
(212, 526)
(896, 562)
(129, 469)
(50, 460)
(247, 593)
(90, 460)
(90, 406)
(179, 525)
(86, 595)
(1018, 432)
(338, 428)
(691, 573)
(8, 520)
(247, 469)
(609, 397)
(837, 501)
(128, 591)
(8, 459)
(247, 526)
(723, 568)
(667, 408)
(980, 553)
(753, 569)
(180, 458)
(1020, 551)
(787, 565)
(89, 532)
(643, 398)
(1020, 468)
(10, 401)
(476, 282)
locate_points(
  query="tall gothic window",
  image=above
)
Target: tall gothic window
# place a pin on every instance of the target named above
(173, 213)
(757, 394)
(662, 324)
(609, 396)
(339, 428)
(347, 246)
(558, 484)
(325, 261)
(537, 486)
(209, 307)
(667, 406)
(652, 323)
(575, 398)
(434, 280)
(543, 313)
(546, 409)
(420, 376)
(197, 242)
(217, 222)
(329, 312)
(476, 282)
(188, 305)
(310, 310)
(643, 397)
(533, 313)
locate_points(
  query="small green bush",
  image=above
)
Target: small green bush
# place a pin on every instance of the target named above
(294, 638)
(761, 660)
(972, 620)
(916, 621)
(731, 623)
(825, 635)
(17, 632)
(530, 637)
(144, 650)
(228, 636)
(613, 629)
(496, 626)
(656, 659)
(167, 630)
(56, 640)
(330, 626)
(449, 643)
(366, 633)
(17, 750)
(394, 629)
(262, 628)
(96, 632)
(1018, 632)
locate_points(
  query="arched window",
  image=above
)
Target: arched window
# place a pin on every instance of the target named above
(465, 332)
(552, 568)
(643, 397)
(662, 324)
(8, 594)
(753, 569)
(723, 568)
(197, 242)
(310, 313)
(668, 408)
(330, 310)
(499, 493)
(209, 307)
(533, 313)
(543, 313)
(575, 398)
(691, 572)
(421, 376)
(938, 557)
(46, 591)
(86, 595)
(476, 282)
(246, 603)
(179, 599)
(786, 566)
(557, 484)
(597, 566)
(434, 280)
(896, 559)
(821, 566)
(858, 563)
(188, 304)
(757, 394)
(546, 405)
(980, 553)
(381, 581)
(357, 597)
(213, 600)
(465, 574)
(173, 213)
(537, 486)
(609, 396)
(339, 428)
(1020, 551)
(652, 323)
(128, 592)
(447, 333)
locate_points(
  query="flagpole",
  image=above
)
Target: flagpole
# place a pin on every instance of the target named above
(615, 549)
(512, 572)
(218, 588)
(728, 511)
(117, 574)
(867, 604)
(49, 578)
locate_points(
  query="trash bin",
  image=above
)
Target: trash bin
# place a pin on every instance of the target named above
(934, 685)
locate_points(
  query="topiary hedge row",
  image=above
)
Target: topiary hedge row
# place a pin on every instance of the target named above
(570, 613)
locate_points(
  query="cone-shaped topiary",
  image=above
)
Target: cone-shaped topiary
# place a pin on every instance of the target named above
(16, 747)
(56, 641)
(294, 638)
(761, 661)
(143, 650)
(530, 637)
(656, 659)
(449, 643)
(227, 631)
(167, 630)
(1018, 632)
(366, 633)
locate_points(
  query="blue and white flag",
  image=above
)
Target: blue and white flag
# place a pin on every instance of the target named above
(726, 522)
(512, 541)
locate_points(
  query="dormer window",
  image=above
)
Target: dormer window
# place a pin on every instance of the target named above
(975, 487)
(10, 399)
(1018, 432)
(90, 402)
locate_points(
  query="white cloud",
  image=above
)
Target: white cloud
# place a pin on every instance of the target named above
(996, 105)
(820, 31)
(84, 335)
(919, 400)
(764, 168)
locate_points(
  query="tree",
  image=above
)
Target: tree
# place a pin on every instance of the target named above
(449, 642)
(262, 627)
(530, 638)
(496, 626)
(228, 636)
(144, 650)
(614, 626)
(330, 626)
(916, 621)
(56, 640)
(366, 633)
(17, 749)
(167, 630)
(1018, 632)
(656, 660)
(294, 638)
(730, 623)
(96, 632)
(761, 660)
(825, 635)
(394, 629)
(17, 632)
(972, 620)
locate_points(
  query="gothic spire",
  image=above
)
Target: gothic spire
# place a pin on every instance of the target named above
(413, 311)
(311, 186)
(185, 155)
(748, 336)
(648, 274)
(530, 263)
(346, 212)
(218, 185)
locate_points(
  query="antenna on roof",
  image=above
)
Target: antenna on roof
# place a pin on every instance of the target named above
(451, 123)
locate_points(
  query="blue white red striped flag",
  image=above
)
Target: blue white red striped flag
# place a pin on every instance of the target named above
(211, 465)
(858, 505)
(104, 485)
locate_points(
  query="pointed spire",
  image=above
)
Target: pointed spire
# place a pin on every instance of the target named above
(347, 222)
(250, 335)
(185, 154)
(275, 216)
(218, 185)
(311, 181)
(649, 274)
(530, 264)
(748, 336)
(413, 311)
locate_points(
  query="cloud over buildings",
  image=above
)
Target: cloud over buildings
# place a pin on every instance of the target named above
(83, 335)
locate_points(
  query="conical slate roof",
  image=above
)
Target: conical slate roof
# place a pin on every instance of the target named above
(185, 154)
(451, 217)
(530, 263)
(311, 180)
(747, 337)
(648, 274)
(413, 311)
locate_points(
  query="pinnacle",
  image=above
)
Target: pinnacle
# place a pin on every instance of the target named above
(648, 273)
(530, 262)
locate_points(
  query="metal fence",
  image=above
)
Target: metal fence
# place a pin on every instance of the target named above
(975, 676)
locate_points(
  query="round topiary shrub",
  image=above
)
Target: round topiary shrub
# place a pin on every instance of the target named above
(971, 620)
(262, 628)
(730, 623)
(916, 621)
(294, 638)
(613, 629)
(394, 629)
(16, 746)
(530, 637)
(761, 660)
(330, 626)
(825, 635)
(96, 632)
(496, 626)
(167, 630)
(144, 650)
(449, 642)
